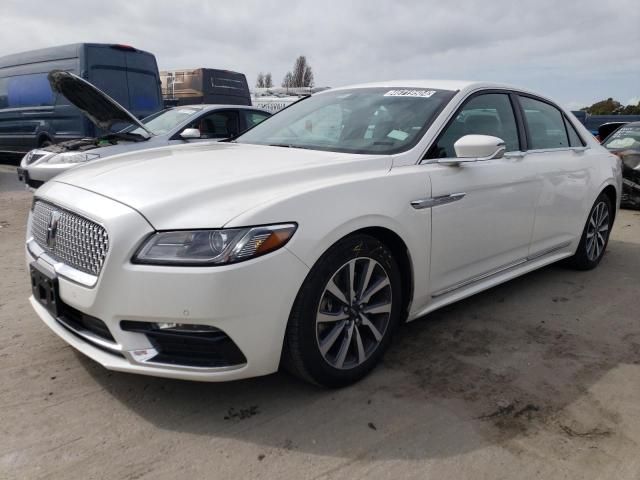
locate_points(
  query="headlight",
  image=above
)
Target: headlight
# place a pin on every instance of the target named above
(213, 247)
(73, 157)
(33, 156)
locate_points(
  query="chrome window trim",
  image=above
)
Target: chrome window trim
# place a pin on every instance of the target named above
(559, 149)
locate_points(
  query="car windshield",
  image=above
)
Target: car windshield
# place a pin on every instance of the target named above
(627, 137)
(162, 122)
(364, 120)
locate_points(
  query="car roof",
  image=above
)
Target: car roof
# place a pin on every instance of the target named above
(452, 85)
(435, 84)
(463, 86)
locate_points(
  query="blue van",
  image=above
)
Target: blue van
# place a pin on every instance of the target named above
(32, 116)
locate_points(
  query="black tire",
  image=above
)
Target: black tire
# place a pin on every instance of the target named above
(45, 143)
(585, 257)
(302, 355)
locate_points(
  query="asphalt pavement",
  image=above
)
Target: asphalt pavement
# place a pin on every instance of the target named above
(9, 179)
(538, 378)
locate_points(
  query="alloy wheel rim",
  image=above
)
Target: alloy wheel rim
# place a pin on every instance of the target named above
(597, 231)
(353, 313)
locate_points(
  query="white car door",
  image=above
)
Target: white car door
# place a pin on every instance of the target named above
(485, 210)
(559, 152)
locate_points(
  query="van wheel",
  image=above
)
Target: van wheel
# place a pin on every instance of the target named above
(595, 236)
(45, 143)
(345, 313)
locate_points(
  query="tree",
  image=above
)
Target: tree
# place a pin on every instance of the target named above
(287, 81)
(302, 75)
(260, 81)
(604, 107)
(268, 81)
(631, 110)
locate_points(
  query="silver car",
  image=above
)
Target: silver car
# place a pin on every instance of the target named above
(190, 123)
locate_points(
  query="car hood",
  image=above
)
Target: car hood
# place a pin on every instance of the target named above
(99, 107)
(207, 185)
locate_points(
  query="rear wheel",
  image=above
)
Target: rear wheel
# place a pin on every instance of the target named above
(345, 313)
(595, 236)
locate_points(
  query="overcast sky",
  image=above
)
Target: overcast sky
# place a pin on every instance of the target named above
(576, 51)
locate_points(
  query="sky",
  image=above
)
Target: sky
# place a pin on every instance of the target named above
(575, 51)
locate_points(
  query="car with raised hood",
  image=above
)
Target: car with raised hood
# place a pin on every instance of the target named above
(178, 125)
(625, 143)
(307, 240)
(32, 115)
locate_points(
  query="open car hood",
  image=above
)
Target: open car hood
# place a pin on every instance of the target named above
(99, 107)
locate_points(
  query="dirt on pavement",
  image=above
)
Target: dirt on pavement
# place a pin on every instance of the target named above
(537, 378)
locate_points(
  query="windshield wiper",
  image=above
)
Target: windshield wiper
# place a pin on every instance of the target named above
(288, 145)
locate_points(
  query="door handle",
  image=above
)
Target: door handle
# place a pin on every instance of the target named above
(430, 202)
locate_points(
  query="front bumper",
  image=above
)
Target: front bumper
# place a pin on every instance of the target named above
(35, 175)
(249, 301)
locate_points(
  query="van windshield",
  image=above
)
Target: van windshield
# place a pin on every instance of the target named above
(363, 120)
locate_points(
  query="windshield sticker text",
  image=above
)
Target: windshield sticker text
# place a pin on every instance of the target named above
(410, 93)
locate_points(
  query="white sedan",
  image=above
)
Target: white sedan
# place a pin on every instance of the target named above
(309, 239)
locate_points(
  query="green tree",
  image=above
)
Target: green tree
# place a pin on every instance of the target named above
(631, 110)
(605, 107)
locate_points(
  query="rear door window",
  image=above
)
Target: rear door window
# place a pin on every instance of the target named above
(545, 125)
(143, 93)
(113, 82)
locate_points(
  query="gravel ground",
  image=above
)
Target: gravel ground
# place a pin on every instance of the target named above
(538, 378)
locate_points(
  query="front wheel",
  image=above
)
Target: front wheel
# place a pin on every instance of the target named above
(595, 236)
(345, 313)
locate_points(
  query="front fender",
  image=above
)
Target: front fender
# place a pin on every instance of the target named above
(329, 212)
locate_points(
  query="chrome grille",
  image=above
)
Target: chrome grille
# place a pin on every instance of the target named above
(79, 243)
(32, 157)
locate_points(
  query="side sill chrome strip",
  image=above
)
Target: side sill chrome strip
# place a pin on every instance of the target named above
(435, 201)
(498, 270)
(488, 274)
(547, 251)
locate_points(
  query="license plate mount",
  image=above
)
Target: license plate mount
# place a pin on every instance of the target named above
(44, 287)
(23, 175)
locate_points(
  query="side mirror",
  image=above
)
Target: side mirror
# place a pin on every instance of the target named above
(476, 148)
(189, 133)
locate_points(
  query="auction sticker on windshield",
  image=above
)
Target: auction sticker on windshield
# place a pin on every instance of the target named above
(410, 93)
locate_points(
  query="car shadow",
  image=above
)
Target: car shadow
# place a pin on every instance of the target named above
(488, 370)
